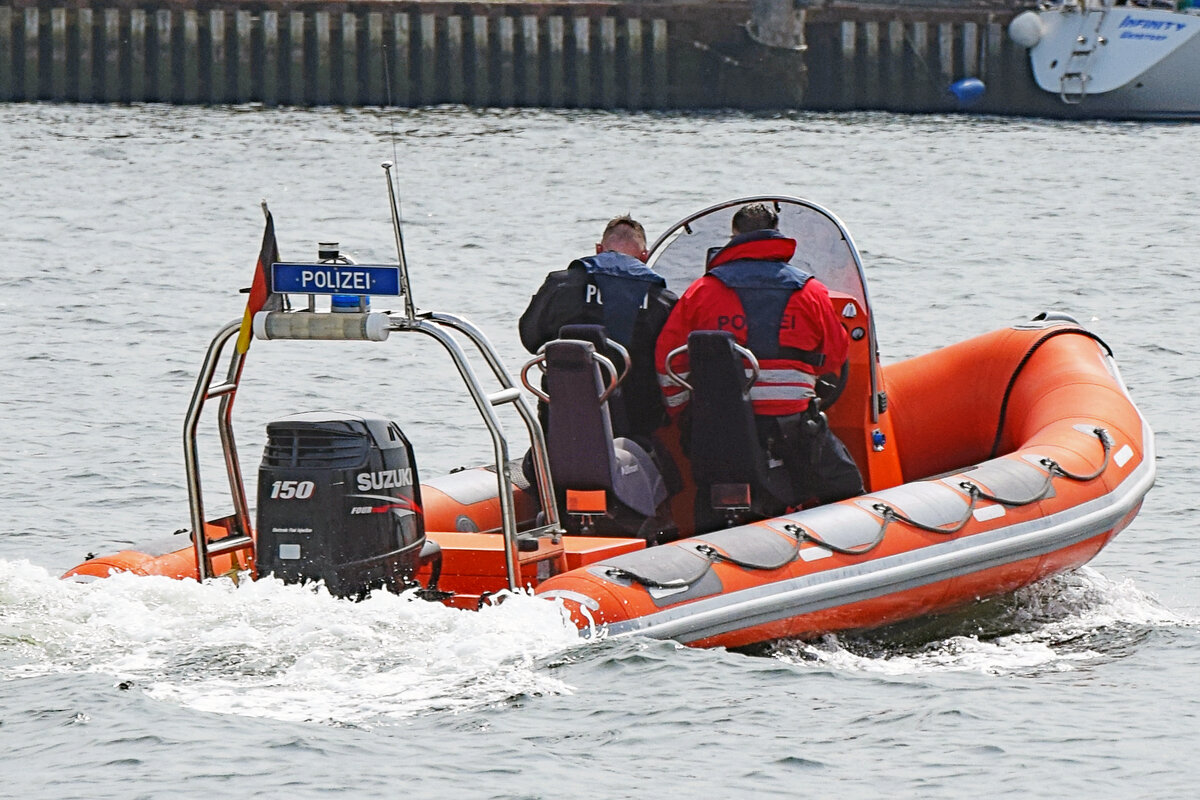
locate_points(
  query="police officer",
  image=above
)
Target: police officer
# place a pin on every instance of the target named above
(613, 288)
(784, 316)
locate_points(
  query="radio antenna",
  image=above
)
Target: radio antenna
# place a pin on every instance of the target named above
(387, 85)
(405, 287)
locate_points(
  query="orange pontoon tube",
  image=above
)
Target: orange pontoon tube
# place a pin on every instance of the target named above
(1076, 461)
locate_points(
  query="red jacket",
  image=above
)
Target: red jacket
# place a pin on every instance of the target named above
(808, 323)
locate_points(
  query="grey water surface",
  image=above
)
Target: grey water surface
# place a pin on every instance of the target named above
(125, 235)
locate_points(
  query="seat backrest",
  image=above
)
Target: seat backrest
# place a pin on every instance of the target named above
(584, 454)
(598, 337)
(579, 434)
(724, 445)
(727, 440)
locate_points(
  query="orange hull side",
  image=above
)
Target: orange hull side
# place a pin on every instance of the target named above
(473, 564)
(946, 410)
(178, 564)
(910, 604)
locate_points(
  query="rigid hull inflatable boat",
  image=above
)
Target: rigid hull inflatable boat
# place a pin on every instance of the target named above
(989, 465)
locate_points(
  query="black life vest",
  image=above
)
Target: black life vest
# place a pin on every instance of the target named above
(622, 283)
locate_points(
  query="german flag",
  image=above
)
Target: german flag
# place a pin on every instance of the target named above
(260, 295)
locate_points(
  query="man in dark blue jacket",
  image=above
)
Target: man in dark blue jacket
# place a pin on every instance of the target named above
(613, 288)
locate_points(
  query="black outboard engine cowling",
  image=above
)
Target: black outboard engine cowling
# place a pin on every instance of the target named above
(339, 502)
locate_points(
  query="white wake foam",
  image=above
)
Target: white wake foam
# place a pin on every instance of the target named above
(291, 653)
(1064, 623)
(285, 652)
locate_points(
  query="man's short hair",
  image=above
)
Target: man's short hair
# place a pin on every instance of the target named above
(624, 228)
(755, 217)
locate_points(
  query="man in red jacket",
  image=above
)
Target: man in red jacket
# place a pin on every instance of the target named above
(784, 316)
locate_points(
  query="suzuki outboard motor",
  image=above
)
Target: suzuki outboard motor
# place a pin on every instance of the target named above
(339, 502)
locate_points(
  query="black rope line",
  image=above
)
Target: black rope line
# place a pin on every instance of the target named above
(651, 583)
(803, 535)
(1040, 494)
(716, 555)
(1012, 382)
(1105, 440)
(890, 514)
(711, 556)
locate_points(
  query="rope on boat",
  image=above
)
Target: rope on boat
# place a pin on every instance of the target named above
(1012, 382)
(716, 555)
(975, 493)
(651, 583)
(711, 556)
(889, 515)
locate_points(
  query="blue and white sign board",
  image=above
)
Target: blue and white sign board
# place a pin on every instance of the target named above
(334, 279)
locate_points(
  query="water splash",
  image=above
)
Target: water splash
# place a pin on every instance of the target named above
(1067, 622)
(263, 649)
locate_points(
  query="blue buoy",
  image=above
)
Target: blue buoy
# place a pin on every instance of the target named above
(967, 91)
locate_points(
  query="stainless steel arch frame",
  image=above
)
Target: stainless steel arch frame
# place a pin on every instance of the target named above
(440, 327)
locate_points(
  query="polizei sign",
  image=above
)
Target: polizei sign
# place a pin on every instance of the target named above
(334, 279)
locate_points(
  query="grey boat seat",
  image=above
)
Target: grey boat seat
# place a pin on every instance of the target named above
(586, 458)
(736, 458)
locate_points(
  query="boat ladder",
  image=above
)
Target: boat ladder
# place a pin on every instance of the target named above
(1072, 84)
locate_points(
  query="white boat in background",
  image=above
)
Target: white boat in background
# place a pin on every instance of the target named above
(1116, 58)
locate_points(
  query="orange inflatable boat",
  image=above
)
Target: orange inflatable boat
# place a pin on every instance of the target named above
(988, 465)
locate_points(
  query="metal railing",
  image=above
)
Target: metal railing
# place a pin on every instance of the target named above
(309, 324)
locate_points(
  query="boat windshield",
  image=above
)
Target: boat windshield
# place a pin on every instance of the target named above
(824, 248)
